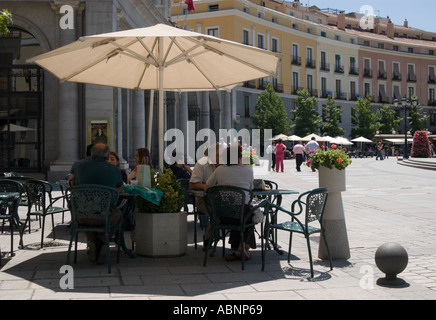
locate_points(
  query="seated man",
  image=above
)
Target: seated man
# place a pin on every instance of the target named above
(98, 171)
(203, 169)
(78, 163)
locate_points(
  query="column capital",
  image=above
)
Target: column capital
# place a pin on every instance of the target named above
(75, 4)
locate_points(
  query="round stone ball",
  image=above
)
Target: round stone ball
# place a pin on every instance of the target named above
(391, 258)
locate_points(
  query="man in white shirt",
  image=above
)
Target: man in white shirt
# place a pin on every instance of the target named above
(312, 145)
(299, 150)
(203, 169)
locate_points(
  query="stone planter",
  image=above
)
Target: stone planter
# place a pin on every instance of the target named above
(334, 217)
(333, 179)
(161, 234)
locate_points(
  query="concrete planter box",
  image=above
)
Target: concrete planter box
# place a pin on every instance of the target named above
(161, 234)
(333, 179)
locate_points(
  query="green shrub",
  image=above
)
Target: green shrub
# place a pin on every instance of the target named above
(172, 198)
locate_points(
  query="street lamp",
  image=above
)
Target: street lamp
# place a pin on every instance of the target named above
(406, 105)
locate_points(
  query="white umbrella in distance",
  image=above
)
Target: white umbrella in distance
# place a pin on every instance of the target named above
(160, 58)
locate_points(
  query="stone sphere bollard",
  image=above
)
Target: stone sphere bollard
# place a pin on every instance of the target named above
(391, 258)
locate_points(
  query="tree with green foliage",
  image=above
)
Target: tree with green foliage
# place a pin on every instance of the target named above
(417, 119)
(387, 119)
(5, 19)
(307, 119)
(331, 127)
(365, 119)
(271, 113)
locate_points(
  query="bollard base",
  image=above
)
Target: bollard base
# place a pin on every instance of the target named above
(389, 282)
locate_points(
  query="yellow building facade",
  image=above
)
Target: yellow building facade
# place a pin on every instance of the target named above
(326, 52)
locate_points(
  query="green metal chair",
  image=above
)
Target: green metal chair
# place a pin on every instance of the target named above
(42, 203)
(10, 193)
(227, 205)
(96, 202)
(306, 211)
(189, 200)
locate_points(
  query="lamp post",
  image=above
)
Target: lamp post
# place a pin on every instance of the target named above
(406, 104)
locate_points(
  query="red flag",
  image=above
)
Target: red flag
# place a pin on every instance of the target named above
(190, 4)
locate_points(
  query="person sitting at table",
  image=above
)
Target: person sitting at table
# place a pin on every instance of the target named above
(238, 175)
(203, 169)
(78, 163)
(115, 160)
(179, 168)
(142, 157)
(98, 171)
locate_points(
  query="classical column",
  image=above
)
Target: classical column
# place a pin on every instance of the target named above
(205, 110)
(68, 94)
(183, 119)
(138, 120)
(226, 112)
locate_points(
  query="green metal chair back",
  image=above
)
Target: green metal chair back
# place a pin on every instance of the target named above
(7, 185)
(227, 205)
(9, 207)
(307, 209)
(41, 203)
(97, 202)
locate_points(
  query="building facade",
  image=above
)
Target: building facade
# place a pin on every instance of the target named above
(46, 125)
(345, 56)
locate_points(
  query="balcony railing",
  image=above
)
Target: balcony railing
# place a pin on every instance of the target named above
(353, 70)
(324, 66)
(339, 68)
(367, 73)
(296, 60)
(310, 64)
(396, 77)
(382, 75)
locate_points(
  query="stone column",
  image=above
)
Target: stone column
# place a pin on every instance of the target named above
(205, 110)
(68, 93)
(138, 120)
(183, 118)
(226, 112)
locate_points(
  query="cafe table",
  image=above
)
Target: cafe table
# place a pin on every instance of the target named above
(9, 210)
(274, 196)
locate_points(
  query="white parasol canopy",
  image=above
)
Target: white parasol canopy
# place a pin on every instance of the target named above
(362, 139)
(317, 137)
(341, 140)
(161, 58)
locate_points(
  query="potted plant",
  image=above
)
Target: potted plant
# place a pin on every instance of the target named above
(161, 230)
(421, 145)
(331, 165)
(250, 157)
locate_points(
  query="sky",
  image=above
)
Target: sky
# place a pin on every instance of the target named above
(419, 13)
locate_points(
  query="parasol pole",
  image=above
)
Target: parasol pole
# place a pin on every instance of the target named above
(161, 108)
(150, 119)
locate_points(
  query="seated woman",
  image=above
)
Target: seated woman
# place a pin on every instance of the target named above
(238, 175)
(142, 157)
(115, 160)
(179, 168)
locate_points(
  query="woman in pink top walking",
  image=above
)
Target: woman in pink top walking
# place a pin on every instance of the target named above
(280, 155)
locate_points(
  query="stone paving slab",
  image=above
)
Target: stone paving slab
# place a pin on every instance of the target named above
(384, 202)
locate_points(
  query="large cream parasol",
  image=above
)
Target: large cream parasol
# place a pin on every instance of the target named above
(160, 58)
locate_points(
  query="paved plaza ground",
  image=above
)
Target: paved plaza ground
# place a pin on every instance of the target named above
(384, 202)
